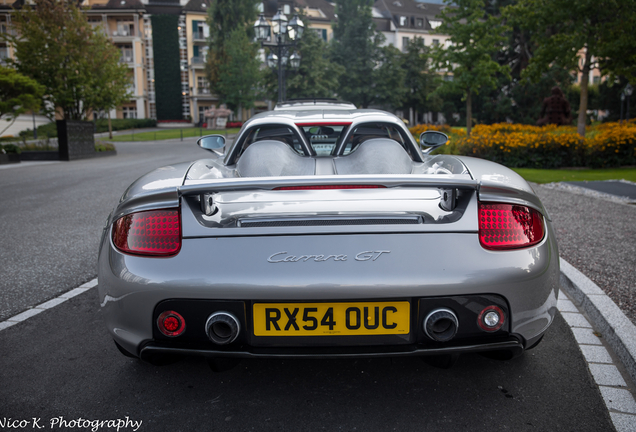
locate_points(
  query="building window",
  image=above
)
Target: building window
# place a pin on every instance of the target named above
(596, 80)
(419, 23)
(434, 23)
(125, 28)
(126, 53)
(203, 86)
(322, 33)
(403, 21)
(129, 112)
(202, 112)
(200, 30)
(286, 9)
(405, 43)
(435, 42)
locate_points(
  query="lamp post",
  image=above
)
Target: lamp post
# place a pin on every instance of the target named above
(282, 48)
(627, 92)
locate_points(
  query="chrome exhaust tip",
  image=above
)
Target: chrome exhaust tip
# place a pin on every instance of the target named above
(222, 328)
(441, 325)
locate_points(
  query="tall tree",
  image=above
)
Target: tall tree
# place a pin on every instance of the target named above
(388, 78)
(56, 46)
(475, 37)
(239, 74)
(419, 80)
(110, 81)
(18, 94)
(578, 36)
(232, 51)
(356, 47)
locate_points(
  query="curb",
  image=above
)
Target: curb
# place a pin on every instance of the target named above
(616, 328)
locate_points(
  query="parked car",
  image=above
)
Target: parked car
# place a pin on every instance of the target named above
(323, 232)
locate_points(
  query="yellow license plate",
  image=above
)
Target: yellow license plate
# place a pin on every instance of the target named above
(331, 319)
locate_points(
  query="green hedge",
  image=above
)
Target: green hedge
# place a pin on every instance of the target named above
(101, 125)
(9, 148)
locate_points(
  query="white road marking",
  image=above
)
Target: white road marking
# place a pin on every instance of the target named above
(23, 316)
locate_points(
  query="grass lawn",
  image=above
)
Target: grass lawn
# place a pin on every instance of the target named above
(560, 175)
(165, 134)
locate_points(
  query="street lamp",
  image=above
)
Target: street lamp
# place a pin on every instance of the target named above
(628, 92)
(287, 34)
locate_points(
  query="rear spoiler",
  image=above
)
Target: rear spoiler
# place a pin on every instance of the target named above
(459, 181)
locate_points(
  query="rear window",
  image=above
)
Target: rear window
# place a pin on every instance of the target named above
(277, 133)
(323, 138)
(369, 131)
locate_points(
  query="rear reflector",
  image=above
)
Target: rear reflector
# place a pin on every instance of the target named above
(507, 226)
(153, 233)
(325, 187)
(171, 323)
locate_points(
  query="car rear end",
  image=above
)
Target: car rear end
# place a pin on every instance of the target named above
(329, 266)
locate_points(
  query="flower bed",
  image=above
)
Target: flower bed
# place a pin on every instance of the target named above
(524, 146)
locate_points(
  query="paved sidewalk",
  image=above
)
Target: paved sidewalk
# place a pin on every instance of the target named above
(596, 231)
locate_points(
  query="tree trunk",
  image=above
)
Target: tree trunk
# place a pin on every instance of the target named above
(469, 113)
(585, 78)
(110, 126)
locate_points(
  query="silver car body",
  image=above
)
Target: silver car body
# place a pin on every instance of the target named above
(245, 243)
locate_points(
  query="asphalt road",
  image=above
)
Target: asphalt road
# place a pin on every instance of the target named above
(52, 217)
(62, 363)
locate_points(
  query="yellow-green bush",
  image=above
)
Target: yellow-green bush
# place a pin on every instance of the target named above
(516, 145)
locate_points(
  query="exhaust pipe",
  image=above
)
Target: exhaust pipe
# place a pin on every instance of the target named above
(441, 325)
(222, 328)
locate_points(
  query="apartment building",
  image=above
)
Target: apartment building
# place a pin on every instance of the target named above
(401, 21)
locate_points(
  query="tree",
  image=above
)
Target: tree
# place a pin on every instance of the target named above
(578, 36)
(419, 80)
(388, 87)
(232, 65)
(239, 74)
(475, 37)
(56, 46)
(18, 94)
(110, 81)
(356, 47)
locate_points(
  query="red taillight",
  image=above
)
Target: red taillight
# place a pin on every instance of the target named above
(325, 187)
(508, 226)
(171, 323)
(154, 232)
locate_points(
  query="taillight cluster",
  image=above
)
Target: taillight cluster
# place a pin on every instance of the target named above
(509, 226)
(153, 233)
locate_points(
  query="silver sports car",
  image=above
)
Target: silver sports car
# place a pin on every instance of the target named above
(328, 231)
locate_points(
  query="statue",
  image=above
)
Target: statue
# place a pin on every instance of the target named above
(555, 109)
(217, 117)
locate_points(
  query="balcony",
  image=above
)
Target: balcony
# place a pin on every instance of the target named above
(202, 92)
(123, 33)
(127, 59)
(197, 62)
(199, 36)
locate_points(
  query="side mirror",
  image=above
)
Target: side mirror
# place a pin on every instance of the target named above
(431, 140)
(213, 143)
